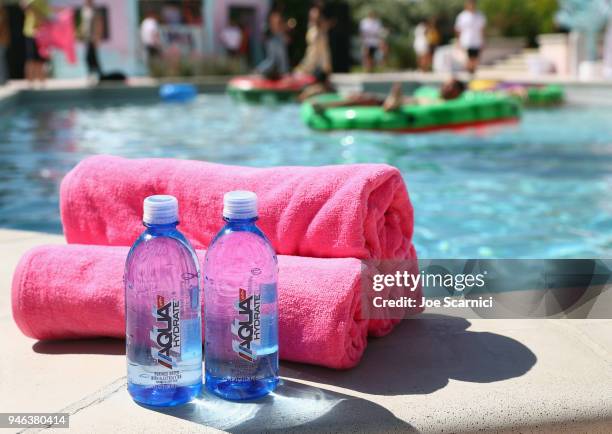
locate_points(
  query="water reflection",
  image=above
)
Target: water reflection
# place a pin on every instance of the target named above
(532, 190)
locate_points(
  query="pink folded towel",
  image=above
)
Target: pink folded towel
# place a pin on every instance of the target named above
(360, 211)
(76, 291)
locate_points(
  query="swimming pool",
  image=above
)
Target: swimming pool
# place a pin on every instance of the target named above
(540, 189)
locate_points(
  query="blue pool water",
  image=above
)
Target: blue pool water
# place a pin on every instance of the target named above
(541, 189)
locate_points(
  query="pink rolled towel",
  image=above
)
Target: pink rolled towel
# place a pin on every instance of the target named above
(360, 211)
(76, 291)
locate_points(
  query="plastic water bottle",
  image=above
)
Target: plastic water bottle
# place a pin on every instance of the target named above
(240, 305)
(163, 310)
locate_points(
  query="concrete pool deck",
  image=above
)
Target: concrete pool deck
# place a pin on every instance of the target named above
(430, 375)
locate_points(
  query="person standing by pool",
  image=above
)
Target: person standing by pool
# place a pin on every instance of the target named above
(36, 13)
(372, 32)
(276, 63)
(317, 55)
(150, 38)
(421, 46)
(607, 51)
(5, 38)
(245, 41)
(433, 38)
(470, 26)
(90, 32)
(231, 38)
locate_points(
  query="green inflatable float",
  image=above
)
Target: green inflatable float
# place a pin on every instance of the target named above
(548, 95)
(471, 109)
(529, 94)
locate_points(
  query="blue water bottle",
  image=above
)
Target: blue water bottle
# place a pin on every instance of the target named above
(240, 305)
(162, 310)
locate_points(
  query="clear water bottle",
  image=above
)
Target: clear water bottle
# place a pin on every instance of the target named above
(163, 310)
(240, 305)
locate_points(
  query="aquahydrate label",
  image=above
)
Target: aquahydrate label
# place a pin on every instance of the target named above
(488, 288)
(246, 328)
(166, 333)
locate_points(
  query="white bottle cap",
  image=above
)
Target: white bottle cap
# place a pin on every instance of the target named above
(160, 210)
(240, 205)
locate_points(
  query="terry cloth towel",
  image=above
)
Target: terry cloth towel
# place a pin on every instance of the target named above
(76, 291)
(360, 211)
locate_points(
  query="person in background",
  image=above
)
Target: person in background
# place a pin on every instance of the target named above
(231, 38)
(451, 89)
(90, 30)
(317, 55)
(433, 38)
(276, 63)
(607, 51)
(5, 39)
(469, 27)
(371, 31)
(245, 40)
(421, 46)
(36, 13)
(338, 15)
(150, 38)
(321, 85)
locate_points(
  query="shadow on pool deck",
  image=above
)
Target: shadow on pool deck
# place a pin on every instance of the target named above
(294, 407)
(108, 346)
(420, 357)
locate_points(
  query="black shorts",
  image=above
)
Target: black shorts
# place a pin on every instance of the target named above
(371, 52)
(473, 53)
(32, 52)
(153, 51)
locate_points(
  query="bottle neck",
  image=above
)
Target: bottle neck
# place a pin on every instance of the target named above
(160, 228)
(240, 223)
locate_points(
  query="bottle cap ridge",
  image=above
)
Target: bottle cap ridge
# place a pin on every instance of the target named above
(160, 209)
(240, 204)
